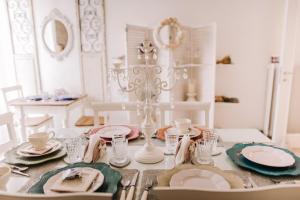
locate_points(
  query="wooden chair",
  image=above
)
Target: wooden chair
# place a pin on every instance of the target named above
(7, 119)
(33, 123)
(72, 196)
(276, 192)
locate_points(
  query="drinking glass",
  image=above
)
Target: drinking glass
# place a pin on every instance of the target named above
(211, 135)
(119, 148)
(75, 147)
(171, 138)
(204, 151)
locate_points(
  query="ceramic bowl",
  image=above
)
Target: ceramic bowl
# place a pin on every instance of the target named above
(5, 172)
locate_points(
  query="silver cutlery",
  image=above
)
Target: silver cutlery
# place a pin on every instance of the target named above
(20, 173)
(252, 182)
(275, 181)
(148, 185)
(18, 168)
(125, 183)
(132, 187)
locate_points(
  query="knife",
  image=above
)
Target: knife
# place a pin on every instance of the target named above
(19, 172)
(132, 186)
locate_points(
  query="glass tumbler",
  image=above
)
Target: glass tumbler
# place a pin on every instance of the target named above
(211, 135)
(171, 139)
(119, 148)
(204, 151)
(75, 149)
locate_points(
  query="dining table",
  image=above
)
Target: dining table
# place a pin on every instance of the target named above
(49, 106)
(228, 137)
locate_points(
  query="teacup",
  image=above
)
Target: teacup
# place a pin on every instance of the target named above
(5, 172)
(39, 140)
(183, 125)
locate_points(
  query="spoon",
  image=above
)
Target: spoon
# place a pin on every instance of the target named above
(125, 183)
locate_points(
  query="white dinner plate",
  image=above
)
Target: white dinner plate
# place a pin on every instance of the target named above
(109, 131)
(55, 148)
(199, 178)
(97, 184)
(268, 156)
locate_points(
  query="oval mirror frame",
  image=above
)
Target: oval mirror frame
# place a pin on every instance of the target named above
(57, 15)
(172, 22)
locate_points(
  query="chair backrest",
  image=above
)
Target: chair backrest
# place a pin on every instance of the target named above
(162, 106)
(12, 93)
(276, 192)
(7, 119)
(98, 106)
(187, 106)
(72, 196)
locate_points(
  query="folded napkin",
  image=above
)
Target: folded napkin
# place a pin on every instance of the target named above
(31, 150)
(185, 150)
(80, 184)
(95, 149)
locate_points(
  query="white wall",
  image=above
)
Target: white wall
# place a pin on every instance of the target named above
(7, 71)
(59, 74)
(294, 112)
(248, 30)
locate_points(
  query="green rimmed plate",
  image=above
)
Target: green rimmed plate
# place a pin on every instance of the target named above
(111, 177)
(235, 155)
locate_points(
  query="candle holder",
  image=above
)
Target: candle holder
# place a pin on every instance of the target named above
(146, 83)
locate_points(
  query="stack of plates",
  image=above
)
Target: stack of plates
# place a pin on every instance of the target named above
(200, 177)
(97, 177)
(265, 159)
(21, 155)
(107, 132)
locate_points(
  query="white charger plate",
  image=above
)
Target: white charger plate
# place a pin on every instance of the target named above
(30, 155)
(109, 131)
(199, 178)
(268, 156)
(97, 184)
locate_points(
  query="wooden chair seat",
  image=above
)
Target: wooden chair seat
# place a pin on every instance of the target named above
(88, 121)
(36, 121)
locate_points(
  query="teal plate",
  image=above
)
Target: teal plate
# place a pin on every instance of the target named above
(111, 177)
(235, 154)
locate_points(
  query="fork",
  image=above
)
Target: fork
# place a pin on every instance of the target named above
(148, 185)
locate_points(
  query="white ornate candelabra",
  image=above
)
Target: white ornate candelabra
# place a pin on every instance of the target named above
(146, 82)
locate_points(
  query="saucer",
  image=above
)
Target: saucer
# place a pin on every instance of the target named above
(117, 164)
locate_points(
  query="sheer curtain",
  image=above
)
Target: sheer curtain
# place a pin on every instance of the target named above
(7, 70)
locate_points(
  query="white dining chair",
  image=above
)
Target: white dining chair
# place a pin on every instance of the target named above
(32, 123)
(195, 106)
(163, 107)
(106, 109)
(6, 119)
(275, 192)
(72, 196)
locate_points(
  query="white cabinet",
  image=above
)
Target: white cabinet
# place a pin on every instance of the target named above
(196, 54)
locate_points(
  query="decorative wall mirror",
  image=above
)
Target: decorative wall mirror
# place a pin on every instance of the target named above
(169, 34)
(57, 35)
